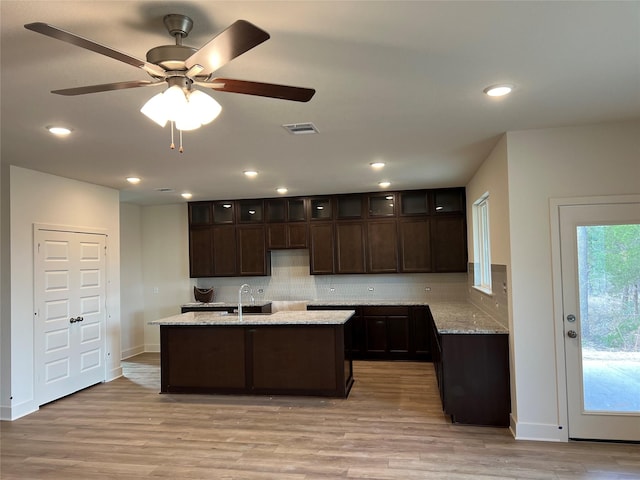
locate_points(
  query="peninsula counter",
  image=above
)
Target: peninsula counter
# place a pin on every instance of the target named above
(285, 353)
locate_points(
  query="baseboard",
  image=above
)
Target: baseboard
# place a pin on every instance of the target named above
(114, 373)
(17, 411)
(132, 352)
(538, 432)
(152, 348)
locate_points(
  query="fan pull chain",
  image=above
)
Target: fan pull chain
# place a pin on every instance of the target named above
(181, 149)
(173, 145)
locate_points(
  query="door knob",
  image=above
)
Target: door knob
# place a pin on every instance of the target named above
(572, 334)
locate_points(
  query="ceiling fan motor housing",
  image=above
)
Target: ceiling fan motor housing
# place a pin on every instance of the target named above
(178, 25)
(170, 57)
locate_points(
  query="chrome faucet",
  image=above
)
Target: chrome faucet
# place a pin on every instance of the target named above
(242, 287)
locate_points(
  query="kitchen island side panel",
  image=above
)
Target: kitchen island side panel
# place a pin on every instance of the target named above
(197, 358)
(298, 359)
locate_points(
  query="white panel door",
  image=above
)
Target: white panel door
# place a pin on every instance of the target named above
(600, 258)
(70, 294)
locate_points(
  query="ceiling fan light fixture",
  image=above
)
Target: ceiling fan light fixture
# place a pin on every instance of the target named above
(175, 103)
(203, 107)
(155, 109)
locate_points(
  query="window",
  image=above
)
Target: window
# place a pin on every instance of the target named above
(481, 244)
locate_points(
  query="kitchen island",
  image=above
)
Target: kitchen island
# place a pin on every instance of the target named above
(285, 353)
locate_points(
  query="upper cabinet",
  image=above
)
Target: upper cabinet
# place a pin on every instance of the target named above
(286, 223)
(448, 200)
(200, 213)
(321, 208)
(414, 231)
(382, 205)
(250, 211)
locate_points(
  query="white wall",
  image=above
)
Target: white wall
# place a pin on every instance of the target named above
(41, 198)
(165, 266)
(543, 164)
(492, 177)
(131, 283)
(5, 292)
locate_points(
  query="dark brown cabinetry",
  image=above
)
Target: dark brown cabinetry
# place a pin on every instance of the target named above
(473, 376)
(386, 332)
(252, 254)
(449, 245)
(412, 231)
(350, 247)
(382, 246)
(415, 245)
(212, 251)
(262, 360)
(321, 248)
(286, 223)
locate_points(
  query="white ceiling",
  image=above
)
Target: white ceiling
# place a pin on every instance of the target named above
(396, 81)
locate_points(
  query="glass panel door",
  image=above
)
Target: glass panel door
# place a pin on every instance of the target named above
(600, 263)
(609, 280)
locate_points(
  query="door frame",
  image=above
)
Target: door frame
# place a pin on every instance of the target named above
(67, 229)
(558, 310)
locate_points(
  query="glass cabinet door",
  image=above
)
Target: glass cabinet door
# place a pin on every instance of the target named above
(321, 209)
(250, 211)
(223, 212)
(382, 205)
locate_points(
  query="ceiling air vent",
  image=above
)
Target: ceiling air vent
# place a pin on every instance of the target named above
(301, 128)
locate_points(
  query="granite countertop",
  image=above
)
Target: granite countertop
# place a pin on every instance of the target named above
(450, 317)
(226, 304)
(463, 318)
(299, 317)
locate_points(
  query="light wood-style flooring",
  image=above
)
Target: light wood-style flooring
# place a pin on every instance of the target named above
(391, 427)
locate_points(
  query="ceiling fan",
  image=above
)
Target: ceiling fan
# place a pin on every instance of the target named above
(183, 65)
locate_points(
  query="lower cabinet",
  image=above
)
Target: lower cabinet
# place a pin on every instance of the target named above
(255, 359)
(473, 376)
(386, 332)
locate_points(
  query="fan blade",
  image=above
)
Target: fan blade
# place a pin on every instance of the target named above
(73, 39)
(106, 87)
(284, 92)
(227, 45)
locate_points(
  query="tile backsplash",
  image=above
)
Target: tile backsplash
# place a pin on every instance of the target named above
(290, 281)
(495, 304)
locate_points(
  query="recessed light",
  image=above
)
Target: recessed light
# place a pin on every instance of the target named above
(59, 131)
(186, 195)
(498, 90)
(384, 184)
(281, 190)
(133, 180)
(376, 165)
(250, 173)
